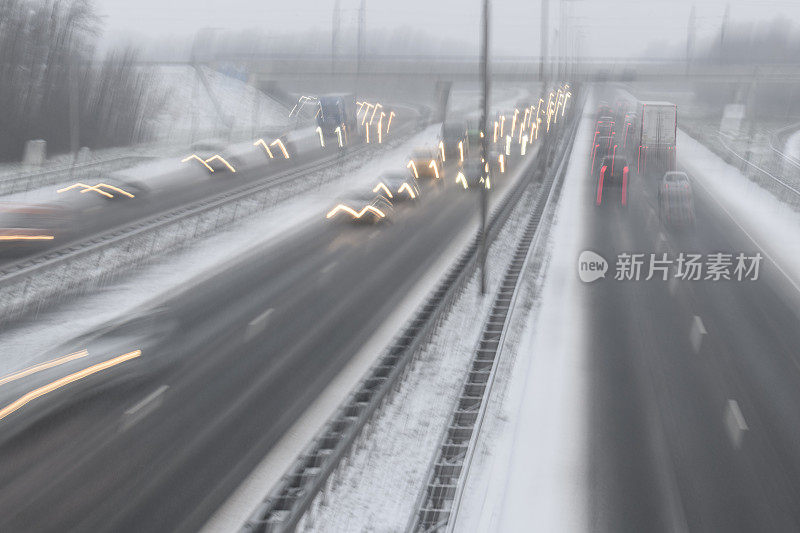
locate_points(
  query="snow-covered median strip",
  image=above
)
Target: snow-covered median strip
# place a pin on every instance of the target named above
(530, 466)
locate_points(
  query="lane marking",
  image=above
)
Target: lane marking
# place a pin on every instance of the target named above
(696, 333)
(150, 403)
(735, 423)
(57, 384)
(328, 267)
(257, 325)
(43, 366)
(155, 395)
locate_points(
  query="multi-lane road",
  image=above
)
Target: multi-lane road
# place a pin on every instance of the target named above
(226, 367)
(694, 385)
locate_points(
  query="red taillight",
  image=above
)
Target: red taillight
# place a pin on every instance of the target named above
(600, 185)
(625, 185)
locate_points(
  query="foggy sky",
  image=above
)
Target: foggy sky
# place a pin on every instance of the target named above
(607, 28)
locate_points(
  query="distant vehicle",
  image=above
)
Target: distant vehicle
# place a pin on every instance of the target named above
(675, 200)
(366, 207)
(470, 175)
(337, 111)
(212, 151)
(605, 126)
(398, 186)
(426, 163)
(603, 147)
(454, 141)
(612, 182)
(27, 225)
(658, 130)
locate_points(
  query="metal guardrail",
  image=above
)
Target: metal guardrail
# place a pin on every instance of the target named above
(311, 474)
(33, 282)
(778, 174)
(440, 500)
(17, 183)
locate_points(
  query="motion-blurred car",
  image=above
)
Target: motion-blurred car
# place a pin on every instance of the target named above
(453, 133)
(603, 147)
(211, 151)
(398, 186)
(470, 175)
(425, 163)
(612, 182)
(605, 126)
(30, 225)
(367, 207)
(675, 200)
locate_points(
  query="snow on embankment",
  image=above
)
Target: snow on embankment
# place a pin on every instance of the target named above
(189, 105)
(769, 223)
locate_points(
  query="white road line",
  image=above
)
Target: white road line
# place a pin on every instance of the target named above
(696, 333)
(735, 423)
(328, 267)
(257, 325)
(150, 403)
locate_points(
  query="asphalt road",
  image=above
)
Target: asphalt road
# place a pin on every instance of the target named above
(242, 354)
(667, 449)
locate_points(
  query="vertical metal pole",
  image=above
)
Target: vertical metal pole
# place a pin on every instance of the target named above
(545, 16)
(334, 34)
(484, 142)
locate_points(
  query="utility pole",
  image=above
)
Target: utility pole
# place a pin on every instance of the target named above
(544, 37)
(690, 38)
(725, 18)
(362, 22)
(335, 33)
(484, 142)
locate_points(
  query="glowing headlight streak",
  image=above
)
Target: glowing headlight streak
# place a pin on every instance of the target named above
(519, 137)
(524, 145)
(380, 127)
(514, 122)
(502, 124)
(338, 131)
(367, 126)
(441, 149)
(566, 99)
(321, 137)
(501, 160)
(218, 157)
(488, 183)
(98, 189)
(197, 157)
(280, 144)
(354, 213)
(383, 186)
(266, 147)
(389, 125)
(25, 399)
(86, 188)
(525, 118)
(406, 187)
(539, 108)
(496, 126)
(366, 111)
(413, 167)
(374, 109)
(508, 145)
(435, 168)
(462, 180)
(43, 366)
(538, 123)
(27, 237)
(461, 150)
(344, 129)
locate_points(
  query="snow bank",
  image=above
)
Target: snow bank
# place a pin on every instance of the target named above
(771, 224)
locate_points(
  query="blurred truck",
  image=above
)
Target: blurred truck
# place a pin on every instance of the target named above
(658, 129)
